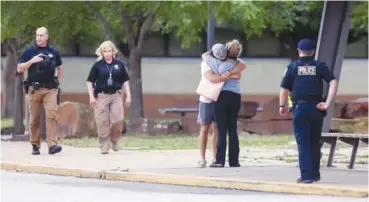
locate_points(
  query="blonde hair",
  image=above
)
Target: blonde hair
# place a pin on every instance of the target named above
(99, 50)
(234, 48)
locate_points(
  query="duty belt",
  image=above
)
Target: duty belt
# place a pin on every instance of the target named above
(307, 101)
(109, 92)
(37, 85)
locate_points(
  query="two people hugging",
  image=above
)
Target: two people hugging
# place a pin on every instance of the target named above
(221, 64)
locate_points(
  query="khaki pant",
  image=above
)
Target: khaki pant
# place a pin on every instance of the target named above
(47, 97)
(109, 115)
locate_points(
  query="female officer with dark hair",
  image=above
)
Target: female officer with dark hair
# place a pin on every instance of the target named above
(105, 81)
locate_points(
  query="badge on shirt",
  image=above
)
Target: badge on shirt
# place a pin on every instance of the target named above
(116, 66)
(307, 70)
(50, 55)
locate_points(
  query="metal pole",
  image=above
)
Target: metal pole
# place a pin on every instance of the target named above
(211, 26)
(332, 42)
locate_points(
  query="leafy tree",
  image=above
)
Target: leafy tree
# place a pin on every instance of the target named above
(291, 20)
(19, 21)
(134, 21)
(307, 24)
(359, 21)
(131, 22)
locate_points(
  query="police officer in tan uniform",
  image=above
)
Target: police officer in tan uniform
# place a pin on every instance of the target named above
(41, 61)
(105, 81)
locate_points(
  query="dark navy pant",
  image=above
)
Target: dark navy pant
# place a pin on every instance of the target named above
(307, 125)
(226, 111)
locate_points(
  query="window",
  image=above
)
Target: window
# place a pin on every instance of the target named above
(357, 49)
(3, 51)
(175, 49)
(88, 50)
(154, 45)
(264, 46)
(66, 50)
(225, 35)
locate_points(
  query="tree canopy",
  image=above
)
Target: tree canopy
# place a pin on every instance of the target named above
(90, 22)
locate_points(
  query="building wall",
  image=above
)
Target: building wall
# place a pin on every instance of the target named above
(181, 76)
(171, 82)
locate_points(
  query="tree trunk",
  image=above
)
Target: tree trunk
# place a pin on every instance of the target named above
(134, 70)
(19, 105)
(9, 81)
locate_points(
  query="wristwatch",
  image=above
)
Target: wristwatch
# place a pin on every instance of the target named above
(228, 72)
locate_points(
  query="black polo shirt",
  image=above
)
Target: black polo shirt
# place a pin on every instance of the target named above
(101, 70)
(35, 73)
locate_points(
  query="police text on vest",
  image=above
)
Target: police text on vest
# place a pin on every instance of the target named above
(307, 70)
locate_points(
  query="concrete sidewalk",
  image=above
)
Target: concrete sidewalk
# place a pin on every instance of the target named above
(179, 167)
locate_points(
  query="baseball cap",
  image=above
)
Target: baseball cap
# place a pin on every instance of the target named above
(305, 45)
(219, 50)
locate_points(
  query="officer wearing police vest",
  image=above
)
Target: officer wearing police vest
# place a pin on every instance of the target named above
(304, 79)
(41, 61)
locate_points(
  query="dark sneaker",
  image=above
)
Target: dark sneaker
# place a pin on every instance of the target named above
(304, 181)
(35, 150)
(235, 165)
(115, 147)
(55, 149)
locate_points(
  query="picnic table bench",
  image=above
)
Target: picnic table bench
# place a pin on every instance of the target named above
(175, 110)
(349, 138)
(184, 111)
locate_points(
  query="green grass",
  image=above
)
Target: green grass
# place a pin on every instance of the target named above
(178, 142)
(363, 156)
(8, 123)
(170, 142)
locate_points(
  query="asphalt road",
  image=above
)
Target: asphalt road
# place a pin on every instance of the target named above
(21, 187)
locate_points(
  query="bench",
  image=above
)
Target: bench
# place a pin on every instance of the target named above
(184, 111)
(175, 110)
(352, 139)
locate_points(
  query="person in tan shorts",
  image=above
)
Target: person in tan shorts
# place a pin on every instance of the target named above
(105, 81)
(42, 61)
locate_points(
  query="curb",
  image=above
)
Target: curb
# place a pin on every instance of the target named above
(189, 180)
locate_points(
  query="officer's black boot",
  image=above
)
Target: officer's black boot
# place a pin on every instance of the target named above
(304, 181)
(35, 150)
(55, 149)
